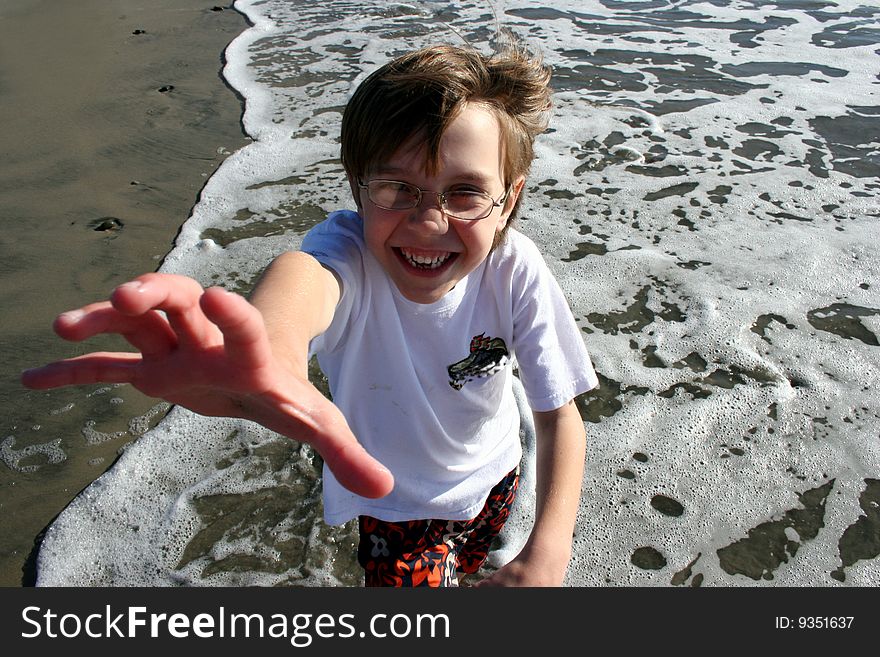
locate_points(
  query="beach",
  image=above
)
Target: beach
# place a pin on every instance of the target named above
(706, 198)
(114, 114)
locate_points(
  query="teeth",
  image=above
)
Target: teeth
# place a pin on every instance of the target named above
(425, 262)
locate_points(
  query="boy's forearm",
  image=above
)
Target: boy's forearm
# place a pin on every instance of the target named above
(561, 445)
(297, 297)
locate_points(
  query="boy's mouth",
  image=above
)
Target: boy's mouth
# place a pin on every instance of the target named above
(425, 260)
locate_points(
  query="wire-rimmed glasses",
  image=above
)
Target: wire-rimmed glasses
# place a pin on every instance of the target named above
(466, 204)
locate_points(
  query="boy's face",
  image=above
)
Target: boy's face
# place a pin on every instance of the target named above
(470, 158)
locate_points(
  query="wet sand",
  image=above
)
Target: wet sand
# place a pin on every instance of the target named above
(113, 114)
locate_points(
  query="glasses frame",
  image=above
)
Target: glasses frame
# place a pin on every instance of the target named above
(441, 198)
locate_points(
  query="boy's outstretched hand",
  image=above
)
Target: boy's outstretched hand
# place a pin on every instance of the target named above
(208, 350)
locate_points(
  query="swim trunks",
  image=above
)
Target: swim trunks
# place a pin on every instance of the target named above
(433, 552)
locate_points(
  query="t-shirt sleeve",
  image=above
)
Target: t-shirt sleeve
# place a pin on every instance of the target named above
(553, 361)
(337, 243)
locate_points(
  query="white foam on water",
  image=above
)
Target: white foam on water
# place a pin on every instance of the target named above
(707, 198)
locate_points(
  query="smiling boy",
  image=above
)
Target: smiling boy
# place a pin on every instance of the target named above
(423, 250)
(418, 307)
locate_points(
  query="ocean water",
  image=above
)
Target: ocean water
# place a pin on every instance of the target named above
(707, 197)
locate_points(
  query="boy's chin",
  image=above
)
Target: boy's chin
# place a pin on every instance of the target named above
(424, 291)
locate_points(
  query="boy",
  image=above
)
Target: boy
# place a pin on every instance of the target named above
(417, 306)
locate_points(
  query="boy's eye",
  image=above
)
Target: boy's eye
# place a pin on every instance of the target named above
(392, 194)
(393, 187)
(464, 196)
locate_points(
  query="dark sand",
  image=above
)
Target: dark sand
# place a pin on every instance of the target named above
(114, 115)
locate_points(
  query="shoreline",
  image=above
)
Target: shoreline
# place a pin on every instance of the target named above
(117, 115)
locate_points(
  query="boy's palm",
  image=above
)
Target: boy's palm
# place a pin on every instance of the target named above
(208, 350)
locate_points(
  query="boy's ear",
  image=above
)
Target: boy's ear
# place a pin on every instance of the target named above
(513, 197)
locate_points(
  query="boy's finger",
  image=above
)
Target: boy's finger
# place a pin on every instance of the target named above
(244, 334)
(148, 333)
(328, 432)
(355, 469)
(99, 367)
(177, 296)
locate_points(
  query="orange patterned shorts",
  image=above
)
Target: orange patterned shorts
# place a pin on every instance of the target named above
(433, 552)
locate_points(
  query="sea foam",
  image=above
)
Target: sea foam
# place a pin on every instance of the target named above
(707, 198)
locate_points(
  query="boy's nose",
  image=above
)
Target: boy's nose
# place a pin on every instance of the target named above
(430, 212)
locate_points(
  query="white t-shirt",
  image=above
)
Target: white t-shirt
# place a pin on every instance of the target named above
(426, 388)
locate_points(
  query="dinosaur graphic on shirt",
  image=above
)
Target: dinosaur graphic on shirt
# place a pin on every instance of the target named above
(488, 355)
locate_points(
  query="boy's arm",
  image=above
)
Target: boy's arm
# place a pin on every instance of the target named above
(561, 446)
(297, 297)
(213, 352)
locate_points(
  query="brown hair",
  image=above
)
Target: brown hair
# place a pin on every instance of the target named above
(419, 94)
